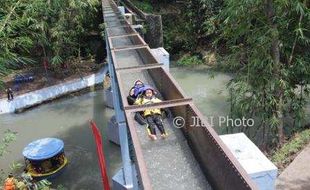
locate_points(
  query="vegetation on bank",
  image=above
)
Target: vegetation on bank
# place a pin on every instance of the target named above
(188, 60)
(42, 33)
(151, 6)
(143, 5)
(8, 137)
(286, 154)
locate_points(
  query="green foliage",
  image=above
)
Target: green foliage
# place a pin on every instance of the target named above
(288, 151)
(102, 27)
(34, 29)
(144, 5)
(8, 137)
(266, 41)
(194, 26)
(201, 20)
(16, 166)
(189, 60)
(61, 187)
(176, 38)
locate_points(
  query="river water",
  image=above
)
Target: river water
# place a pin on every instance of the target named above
(66, 119)
(209, 93)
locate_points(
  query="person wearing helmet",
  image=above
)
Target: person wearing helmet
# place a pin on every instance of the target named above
(153, 117)
(10, 183)
(135, 91)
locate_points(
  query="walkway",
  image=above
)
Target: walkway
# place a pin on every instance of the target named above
(297, 175)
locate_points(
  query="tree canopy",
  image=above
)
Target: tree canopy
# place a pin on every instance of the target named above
(36, 29)
(267, 46)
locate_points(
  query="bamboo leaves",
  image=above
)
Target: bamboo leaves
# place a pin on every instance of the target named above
(40, 28)
(269, 41)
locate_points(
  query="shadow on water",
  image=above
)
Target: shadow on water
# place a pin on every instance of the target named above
(83, 171)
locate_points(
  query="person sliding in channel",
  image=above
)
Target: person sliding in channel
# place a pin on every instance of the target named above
(153, 117)
(135, 91)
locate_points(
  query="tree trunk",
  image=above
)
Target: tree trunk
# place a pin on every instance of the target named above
(275, 53)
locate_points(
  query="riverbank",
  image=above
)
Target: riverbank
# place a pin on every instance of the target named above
(42, 78)
(296, 176)
(40, 96)
(285, 155)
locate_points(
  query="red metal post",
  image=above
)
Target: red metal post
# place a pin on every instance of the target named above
(101, 158)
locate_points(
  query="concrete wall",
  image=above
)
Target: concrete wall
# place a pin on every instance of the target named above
(162, 56)
(48, 93)
(154, 32)
(262, 171)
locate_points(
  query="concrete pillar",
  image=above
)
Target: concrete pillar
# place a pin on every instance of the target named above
(121, 9)
(262, 171)
(113, 131)
(154, 34)
(162, 56)
(119, 182)
(108, 97)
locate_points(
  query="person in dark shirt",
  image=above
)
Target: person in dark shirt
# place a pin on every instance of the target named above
(9, 92)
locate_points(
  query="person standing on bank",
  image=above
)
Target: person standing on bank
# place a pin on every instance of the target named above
(9, 92)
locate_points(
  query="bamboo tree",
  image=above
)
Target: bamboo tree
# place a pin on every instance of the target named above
(266, 41)
(36, 29)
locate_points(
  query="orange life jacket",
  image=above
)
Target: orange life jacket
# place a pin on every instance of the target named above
(9, 184)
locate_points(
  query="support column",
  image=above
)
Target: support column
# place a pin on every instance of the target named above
(154, 34)
(127, 173)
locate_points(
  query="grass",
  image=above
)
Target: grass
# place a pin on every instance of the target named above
(286, 154)
(189, 60)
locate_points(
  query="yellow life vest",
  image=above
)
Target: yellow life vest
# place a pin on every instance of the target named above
(144, 101)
